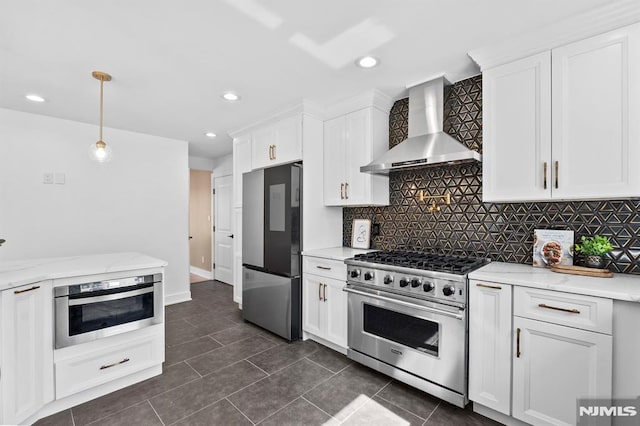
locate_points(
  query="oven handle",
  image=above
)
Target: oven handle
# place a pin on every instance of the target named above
(109, 297)
(403, 303)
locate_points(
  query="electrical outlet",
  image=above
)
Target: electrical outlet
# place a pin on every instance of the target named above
(47, 178)
(375, 229)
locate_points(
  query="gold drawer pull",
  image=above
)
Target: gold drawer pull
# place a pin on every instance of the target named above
(104, 367)
(324, 292)
(489, 286)
(35, 287)
(326, 268)
(555, 308)
(342, 191)
(320, 291)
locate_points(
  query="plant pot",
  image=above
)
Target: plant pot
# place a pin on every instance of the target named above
(594, 261)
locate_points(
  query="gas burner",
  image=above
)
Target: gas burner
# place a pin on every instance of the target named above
(423, 261)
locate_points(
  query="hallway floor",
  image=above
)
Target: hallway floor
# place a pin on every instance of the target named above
(220, 370)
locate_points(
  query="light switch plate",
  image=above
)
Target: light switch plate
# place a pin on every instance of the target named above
(47, 178)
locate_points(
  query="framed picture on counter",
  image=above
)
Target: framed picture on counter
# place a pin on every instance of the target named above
(361, 233)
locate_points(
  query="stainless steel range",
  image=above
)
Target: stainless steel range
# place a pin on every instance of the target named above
(408, 319)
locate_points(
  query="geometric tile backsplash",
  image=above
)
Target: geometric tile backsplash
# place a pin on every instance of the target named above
(500, 231)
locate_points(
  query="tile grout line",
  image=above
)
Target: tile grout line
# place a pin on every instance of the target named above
(318, 364)
(196, 371)
(73, 421)
(370, 399)
(401, 408)
(154, 410)
(330, 416)
(257, 367)
(239, 410)
(431, 414)
(280, 409)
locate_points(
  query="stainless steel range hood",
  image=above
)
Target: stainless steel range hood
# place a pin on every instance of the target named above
(427, 143)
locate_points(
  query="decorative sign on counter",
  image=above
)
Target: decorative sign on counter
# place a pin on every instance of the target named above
(361, 233)
(552, 247)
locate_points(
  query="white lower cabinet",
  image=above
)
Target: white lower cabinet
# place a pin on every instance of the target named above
(553, 367)
(324, 306)
(490, 345)
(26, 350)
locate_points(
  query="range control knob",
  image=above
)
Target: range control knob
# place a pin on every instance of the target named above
(388, 279)
(448, 290)
(368, 276)
(428, 286)
(404, 282)
(355, 273)
(416, 282)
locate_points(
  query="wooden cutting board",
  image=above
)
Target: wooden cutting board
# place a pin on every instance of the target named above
(581, 270)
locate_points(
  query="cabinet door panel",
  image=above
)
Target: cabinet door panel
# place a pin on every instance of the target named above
(334, 161)
(596, 102)
(336, 307)
(517, 130)
(262, 141)
(490, 345)
(288, 140)
(241, 164)
(358, 153)
(556, 366)
(312, 314)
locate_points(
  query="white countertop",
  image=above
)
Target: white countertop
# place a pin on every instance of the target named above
(620, 287)
(14, 273)
(335, 253)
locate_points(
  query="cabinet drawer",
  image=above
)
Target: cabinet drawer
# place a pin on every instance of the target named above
(325, 267)
(573, 310)
(96, 367)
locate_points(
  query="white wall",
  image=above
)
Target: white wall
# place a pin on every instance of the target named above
(136, 202)
(223, 166)
(201, 163)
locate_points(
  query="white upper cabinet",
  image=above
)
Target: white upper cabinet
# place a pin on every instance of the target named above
(241, 164)
(350, 141)
(517, 130)
(277, 143)
(560, 124)
(596, 105)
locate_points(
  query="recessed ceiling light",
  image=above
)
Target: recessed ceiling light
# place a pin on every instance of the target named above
(210, 135)
(35, 98)
(367, 62)
(230, 96)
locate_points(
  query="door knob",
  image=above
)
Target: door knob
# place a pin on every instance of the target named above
(190, 237)
(231, 236)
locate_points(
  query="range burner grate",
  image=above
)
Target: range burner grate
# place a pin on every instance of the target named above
(424, 261)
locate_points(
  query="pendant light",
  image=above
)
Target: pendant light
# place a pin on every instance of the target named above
(100, 151)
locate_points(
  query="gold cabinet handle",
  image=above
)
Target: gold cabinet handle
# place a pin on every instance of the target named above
(326, 268)
(346, 191)
(320, 291)
(342, 191)
(496, 287)
(324, 292)
(517, 343)
(555, 308)
(104, 367)
(556, 175)
(545, 175)
(35, 287)
(274, 152)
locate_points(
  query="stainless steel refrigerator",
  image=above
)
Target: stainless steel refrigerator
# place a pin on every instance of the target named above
(271, 261)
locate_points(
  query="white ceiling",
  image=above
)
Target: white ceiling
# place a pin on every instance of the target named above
(171, 60)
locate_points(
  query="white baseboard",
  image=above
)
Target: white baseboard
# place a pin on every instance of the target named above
(170, 299)
(201, 272)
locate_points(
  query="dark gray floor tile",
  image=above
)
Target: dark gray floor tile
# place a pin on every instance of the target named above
(264, 398)
(186, 400)
(140, 415)
(283, 355)
(299, 413)
(220, 413)
(171, 377)
(328, 358)
(214, 324)
(447, 414)
(230, 354)
(409, 398)
(184, 309)
(177, 353)
(63, 418)
(347, 391)
(237, 333)
(378, 412)
(176, 333)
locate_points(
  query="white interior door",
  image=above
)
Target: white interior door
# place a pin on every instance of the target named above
(223, 234)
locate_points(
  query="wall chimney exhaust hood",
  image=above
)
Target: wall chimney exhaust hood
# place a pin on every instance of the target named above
(427, 143)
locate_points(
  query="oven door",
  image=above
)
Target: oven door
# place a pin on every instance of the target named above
(82, 319)
(423, 338)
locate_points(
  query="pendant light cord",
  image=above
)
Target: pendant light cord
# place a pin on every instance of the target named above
(101, 105)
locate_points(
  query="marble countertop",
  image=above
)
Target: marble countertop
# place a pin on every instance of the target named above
(620, 287)
(14, 273)
(335, 253)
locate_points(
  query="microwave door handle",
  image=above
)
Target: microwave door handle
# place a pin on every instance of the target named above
(109, 297)
(403, 303)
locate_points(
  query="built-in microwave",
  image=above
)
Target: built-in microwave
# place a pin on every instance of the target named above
(92, 310)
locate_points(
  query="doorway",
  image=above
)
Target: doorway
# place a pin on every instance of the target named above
(223, 232)
(200, 225)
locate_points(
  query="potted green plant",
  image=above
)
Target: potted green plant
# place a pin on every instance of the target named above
(593, 249)
(1, 241)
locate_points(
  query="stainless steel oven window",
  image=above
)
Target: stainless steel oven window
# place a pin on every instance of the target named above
(411, 331)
